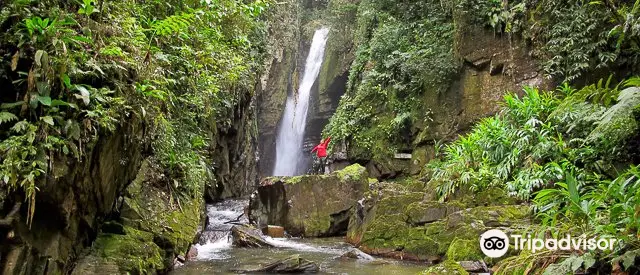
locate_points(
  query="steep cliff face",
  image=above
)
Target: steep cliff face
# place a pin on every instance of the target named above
(332, 81)
(115, 128)
(491, 65)
(280, 78)
(234, 152)
(142, 215)
(77, 197)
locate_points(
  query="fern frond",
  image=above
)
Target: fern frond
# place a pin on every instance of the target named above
(175, 24)
(7, 117)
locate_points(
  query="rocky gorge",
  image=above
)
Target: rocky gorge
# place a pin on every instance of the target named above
(126, 128)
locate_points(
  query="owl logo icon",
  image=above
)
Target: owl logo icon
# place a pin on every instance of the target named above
(494, 243)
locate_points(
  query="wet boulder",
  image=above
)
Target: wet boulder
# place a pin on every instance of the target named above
(474, 266)
(292, 264)
(357, 254)
(248, 236)
(310, 205)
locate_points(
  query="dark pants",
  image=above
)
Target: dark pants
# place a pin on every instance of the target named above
(319, 164)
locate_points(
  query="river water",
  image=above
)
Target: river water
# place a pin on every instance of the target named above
(216, 255)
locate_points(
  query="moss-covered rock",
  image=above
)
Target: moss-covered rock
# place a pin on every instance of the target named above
(445, 268)
(158, 225)
(172, 218)
(486, 197)
(396, 221)
(464, 250)
(133, 252)
(312, 205)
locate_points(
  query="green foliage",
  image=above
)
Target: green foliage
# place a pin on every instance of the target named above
(79, 73)
(178, 23)
(560, 154)
(504, 150)
(87, 8)
(401, 59)
(573, 37)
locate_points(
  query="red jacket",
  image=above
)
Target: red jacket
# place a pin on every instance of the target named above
(321, 148)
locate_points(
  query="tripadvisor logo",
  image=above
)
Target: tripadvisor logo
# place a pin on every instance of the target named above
(495, 243)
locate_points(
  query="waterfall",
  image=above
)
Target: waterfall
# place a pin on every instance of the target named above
(291, 134)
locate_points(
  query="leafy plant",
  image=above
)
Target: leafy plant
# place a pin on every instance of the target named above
(87, 7)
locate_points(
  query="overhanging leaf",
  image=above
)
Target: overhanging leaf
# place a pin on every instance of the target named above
(20, 126)
(48, 120)
(66, 80)
(38, 57)
(57, 102)
(44, 100)
(84, 94)
(11, 105)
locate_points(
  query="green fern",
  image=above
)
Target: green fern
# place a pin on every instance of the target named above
(7, 117)
(617, 124)
(175, 24)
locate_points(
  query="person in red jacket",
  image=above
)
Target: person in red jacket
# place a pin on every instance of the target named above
(321, 154)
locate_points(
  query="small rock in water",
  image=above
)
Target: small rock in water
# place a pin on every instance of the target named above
(274, 231)
(474, 266)
(248, 236)
(292, 264)
(192, 254)
(357, 254)
(177, 263)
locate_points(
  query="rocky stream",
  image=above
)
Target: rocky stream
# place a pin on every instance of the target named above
(217, 255)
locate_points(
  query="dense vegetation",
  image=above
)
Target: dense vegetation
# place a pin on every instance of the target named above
(403, 54)
(571, 37)
(405, 57)
(572, 153)
(76, 71)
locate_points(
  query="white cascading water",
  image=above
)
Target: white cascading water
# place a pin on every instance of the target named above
(215, 243)
(291, 134)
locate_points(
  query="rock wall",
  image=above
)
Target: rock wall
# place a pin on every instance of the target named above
(154, 226)
(280, 78)
(233, 152)
(77, 197)
(491, 65)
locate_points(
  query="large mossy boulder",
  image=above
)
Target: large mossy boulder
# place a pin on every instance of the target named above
(396, 220)
(173, 218)
(311, 205)
(131, 252)
(155, 226)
